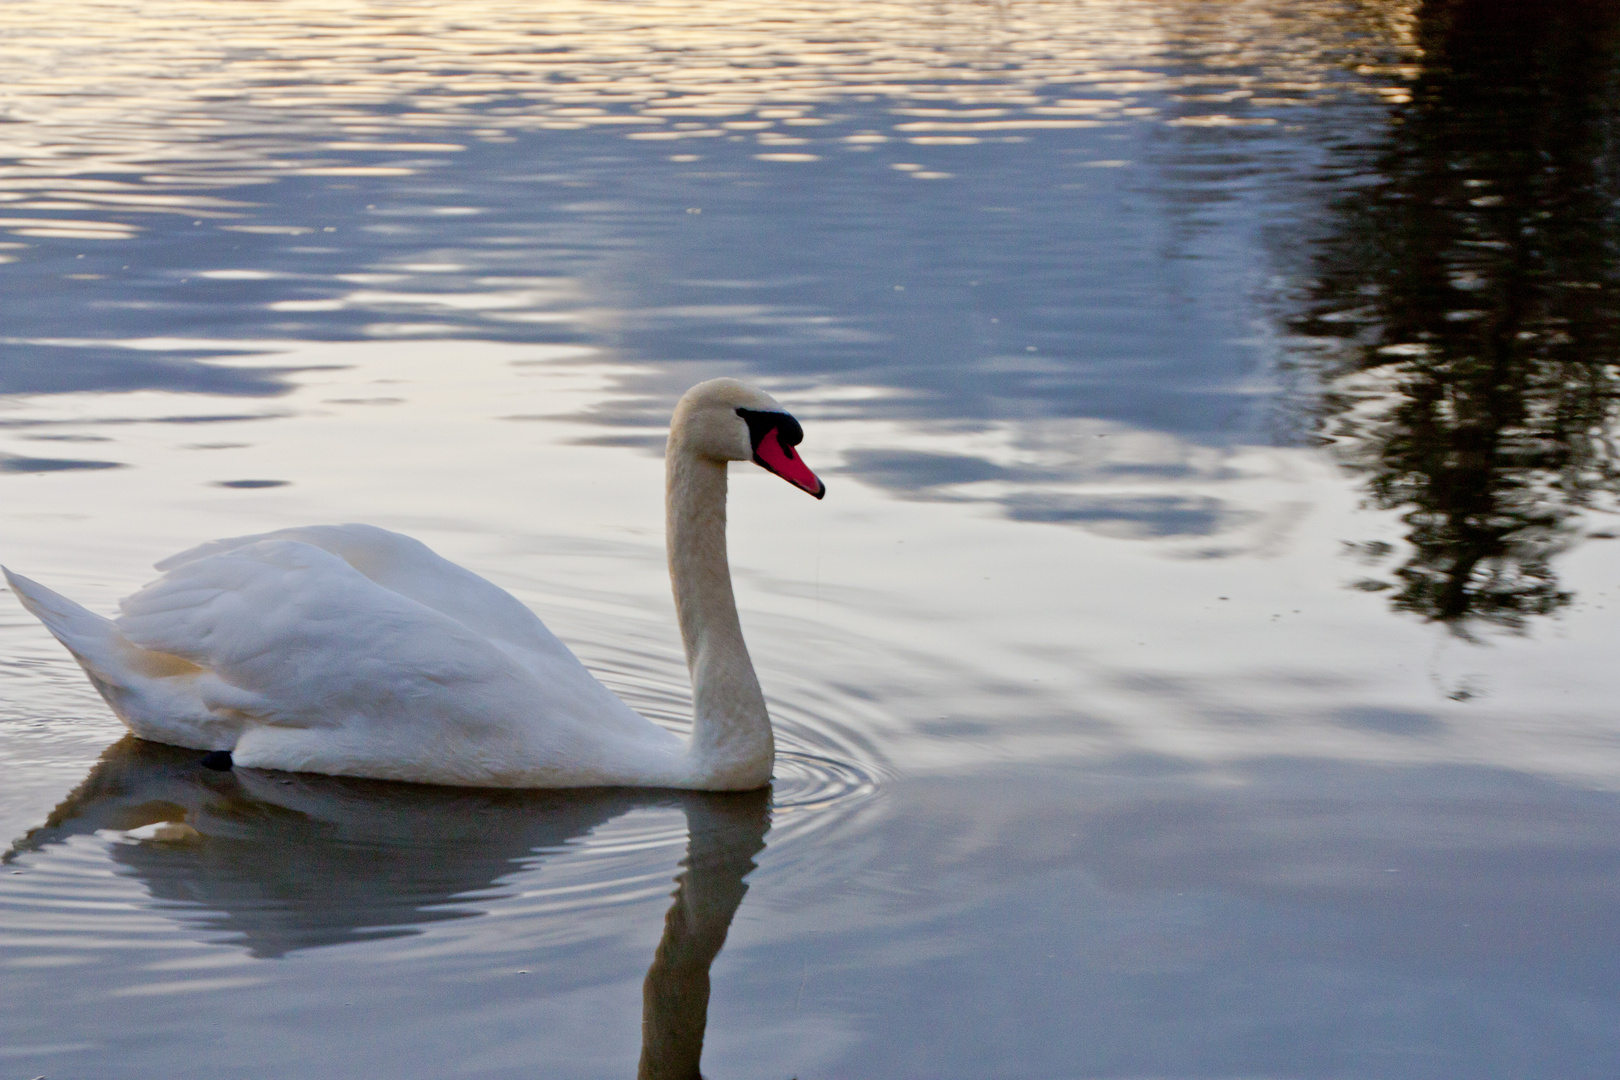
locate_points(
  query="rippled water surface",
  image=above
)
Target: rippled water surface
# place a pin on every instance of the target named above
(1201, 666)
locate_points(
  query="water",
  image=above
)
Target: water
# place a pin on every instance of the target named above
(1201, 664)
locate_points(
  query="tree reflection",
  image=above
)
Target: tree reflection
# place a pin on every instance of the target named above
(288, 861)
(1468, 292)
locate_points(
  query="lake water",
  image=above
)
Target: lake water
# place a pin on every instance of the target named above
(1202, 664)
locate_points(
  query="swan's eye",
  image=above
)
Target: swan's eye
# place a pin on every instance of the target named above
(760, 423)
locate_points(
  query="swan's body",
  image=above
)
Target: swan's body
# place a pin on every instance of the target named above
(355, 651)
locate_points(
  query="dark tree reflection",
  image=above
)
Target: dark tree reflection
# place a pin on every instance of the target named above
(1469, 292)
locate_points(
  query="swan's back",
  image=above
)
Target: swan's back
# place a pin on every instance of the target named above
(411, 569)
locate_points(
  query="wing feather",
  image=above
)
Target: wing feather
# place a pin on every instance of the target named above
(367, 654)
(410, 568)
(303, 628)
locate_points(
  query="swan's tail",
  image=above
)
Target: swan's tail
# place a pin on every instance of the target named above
(92, 640)
(157, 695)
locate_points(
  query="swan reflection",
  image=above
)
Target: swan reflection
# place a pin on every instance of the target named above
(291, 861)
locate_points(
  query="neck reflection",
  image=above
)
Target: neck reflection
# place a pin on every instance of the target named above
(724, 833)
(285, 862)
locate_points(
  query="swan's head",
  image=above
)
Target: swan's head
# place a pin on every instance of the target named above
(727, 420)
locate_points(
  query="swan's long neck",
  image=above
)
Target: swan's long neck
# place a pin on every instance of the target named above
(732, 746)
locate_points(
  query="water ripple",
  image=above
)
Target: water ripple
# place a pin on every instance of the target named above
(223, 96)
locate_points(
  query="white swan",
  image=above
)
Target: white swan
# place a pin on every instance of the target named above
(354, 651)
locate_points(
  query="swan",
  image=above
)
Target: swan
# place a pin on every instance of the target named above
(354, 651)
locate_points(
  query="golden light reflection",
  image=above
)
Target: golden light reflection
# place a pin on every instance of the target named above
(141, 107)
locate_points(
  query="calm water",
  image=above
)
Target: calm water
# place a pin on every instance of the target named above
(1201, 666)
